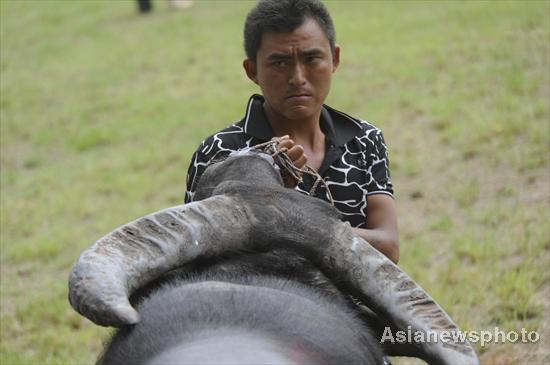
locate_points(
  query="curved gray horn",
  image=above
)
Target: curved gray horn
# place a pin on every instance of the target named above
(135, 254)
(390, 292)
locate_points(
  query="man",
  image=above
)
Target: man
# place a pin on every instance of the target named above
(291, 55)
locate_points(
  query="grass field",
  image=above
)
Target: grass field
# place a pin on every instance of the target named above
(102, 108)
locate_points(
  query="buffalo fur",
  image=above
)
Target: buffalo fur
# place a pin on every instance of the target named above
(308, 319)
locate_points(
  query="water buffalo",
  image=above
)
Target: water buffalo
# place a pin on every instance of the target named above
(251, 272)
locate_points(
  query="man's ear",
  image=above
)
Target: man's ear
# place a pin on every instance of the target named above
(335, 57)
(251, 70)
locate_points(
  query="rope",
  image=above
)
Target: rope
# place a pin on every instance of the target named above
(285, 163)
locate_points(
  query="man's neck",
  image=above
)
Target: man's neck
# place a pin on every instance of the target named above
(306, 132)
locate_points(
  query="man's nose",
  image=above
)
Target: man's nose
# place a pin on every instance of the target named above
(297, 76)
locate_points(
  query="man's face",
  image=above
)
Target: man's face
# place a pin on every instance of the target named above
(294, 70)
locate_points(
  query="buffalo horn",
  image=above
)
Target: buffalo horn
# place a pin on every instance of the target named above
(392, 294)
(135, 254)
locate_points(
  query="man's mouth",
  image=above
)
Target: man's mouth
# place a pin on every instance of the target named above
(299, 96)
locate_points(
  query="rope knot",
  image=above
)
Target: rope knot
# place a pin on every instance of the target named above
(290, 173)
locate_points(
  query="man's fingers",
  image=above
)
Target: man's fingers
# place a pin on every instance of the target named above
(297, 156)
(301, 162)
(293, 151)
(286, 143)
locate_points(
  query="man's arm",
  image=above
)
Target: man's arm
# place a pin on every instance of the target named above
(381, 231)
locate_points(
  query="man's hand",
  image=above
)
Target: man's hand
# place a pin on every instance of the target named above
(297, 156)
(294, 151)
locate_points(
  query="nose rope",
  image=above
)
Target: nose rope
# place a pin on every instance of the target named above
(285, 163)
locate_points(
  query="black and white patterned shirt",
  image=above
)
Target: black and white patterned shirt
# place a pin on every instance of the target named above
(355, 166)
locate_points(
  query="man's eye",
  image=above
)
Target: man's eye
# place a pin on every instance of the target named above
(311, 59)
(280, 63)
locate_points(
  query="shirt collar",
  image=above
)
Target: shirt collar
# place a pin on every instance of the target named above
(339, 128)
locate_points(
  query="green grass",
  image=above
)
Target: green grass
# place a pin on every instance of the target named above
(100, 110)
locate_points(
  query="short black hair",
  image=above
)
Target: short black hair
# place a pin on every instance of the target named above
(281, 16)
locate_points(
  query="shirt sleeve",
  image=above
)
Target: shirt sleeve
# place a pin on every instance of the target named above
(192, 172)
(378, 164)
(208, 150)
